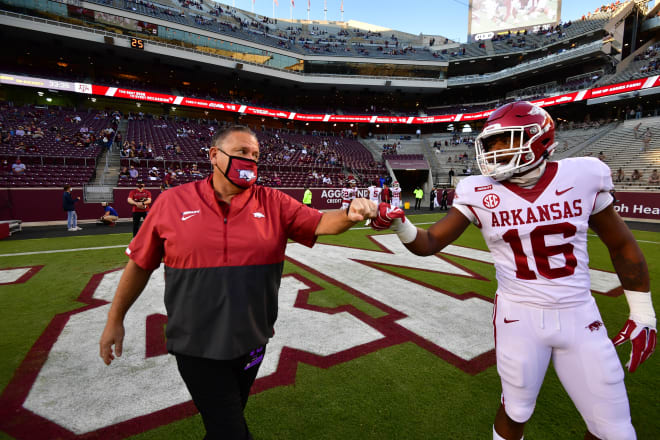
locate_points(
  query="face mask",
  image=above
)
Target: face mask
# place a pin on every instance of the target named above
(240, 171)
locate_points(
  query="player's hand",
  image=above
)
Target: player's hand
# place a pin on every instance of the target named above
(113, 334)
(386, 215)
(361, 209)
(642, 339)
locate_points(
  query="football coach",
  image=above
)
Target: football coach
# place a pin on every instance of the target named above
(222, 241)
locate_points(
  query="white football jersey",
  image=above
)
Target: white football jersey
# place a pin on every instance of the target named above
(348, 194)
(538, 236)
(374, 193)
(396, 196)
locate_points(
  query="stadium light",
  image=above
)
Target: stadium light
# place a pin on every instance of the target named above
(49, 99)
(40, 93)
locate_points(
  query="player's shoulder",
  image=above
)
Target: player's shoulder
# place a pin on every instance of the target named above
(586, 167)
(475, 184)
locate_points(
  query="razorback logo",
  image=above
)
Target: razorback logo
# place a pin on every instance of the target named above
(144, 389)
(594, 326)
(246, 174)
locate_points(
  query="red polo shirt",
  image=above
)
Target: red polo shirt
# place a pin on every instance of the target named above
(140, 196)
(223, 263)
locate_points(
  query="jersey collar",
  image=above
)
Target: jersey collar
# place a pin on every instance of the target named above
(531, 194)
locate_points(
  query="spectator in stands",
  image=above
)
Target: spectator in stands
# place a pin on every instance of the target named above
(194, 171)
(133, 173)
(636, 176)
(153, 174)
(602, 156)
(18, 168)
(620, 175)
(109, 216)
(451, 174)
(327, 181)
(655, 178)
(646, 139)
(123, 174)
(69, 205)
(170, 179)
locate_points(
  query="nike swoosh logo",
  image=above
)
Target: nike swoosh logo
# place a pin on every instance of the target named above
(184, 218)
(564, 191)
(508, 321)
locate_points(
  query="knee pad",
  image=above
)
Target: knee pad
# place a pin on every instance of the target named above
(612, 431)
(519, 412)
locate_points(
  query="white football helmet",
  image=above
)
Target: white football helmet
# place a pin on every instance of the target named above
(529, 132)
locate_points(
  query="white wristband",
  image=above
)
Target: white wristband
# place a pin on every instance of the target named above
(406, 231)
(641, 307)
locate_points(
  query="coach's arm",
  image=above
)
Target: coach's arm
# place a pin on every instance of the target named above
(131, 284)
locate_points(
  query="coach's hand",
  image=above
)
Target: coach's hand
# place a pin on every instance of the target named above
(113, 334)
(361, 209)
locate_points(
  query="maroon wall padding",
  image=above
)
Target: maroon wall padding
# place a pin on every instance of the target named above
(4, 230)
(45, 204)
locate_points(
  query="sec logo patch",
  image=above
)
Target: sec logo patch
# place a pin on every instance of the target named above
(491, 201)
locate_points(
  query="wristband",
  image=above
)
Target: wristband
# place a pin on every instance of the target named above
(405, 230)
(641, 307)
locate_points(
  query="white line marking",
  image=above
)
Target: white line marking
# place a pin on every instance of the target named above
(64, 250)
(125, 245)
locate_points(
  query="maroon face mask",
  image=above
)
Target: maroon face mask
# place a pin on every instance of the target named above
(240, 171)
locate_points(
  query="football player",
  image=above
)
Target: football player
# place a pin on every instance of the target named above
(348, 194)
(534, 215)
(374, 193)
(396, 194)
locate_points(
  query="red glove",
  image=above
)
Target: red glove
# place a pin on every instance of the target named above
(643, 340)
(386, 215)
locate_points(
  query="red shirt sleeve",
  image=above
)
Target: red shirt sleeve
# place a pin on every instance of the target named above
(299, 221)
(148, 247)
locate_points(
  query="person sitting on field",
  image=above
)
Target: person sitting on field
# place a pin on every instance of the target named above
(109, 216)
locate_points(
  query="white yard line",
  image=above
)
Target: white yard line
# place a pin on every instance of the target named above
(64, 250)
(125, 245)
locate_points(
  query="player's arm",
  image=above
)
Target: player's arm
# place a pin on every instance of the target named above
(631, 268)
(440, 234)
(625, 253)
(420, 241)
(130, 287)
(340, 220)
(131, 201)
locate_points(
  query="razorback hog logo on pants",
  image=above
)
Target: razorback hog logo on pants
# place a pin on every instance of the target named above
(69, 392)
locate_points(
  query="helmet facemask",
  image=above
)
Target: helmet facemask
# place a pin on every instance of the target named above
(503, 163)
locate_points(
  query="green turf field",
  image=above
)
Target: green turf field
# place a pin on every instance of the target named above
(400, 391)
